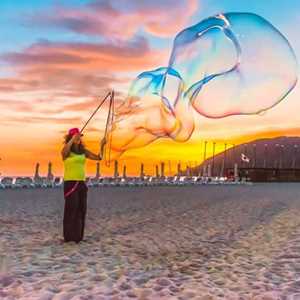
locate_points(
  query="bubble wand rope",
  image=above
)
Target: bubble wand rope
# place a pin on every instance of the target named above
(92, 115)
(109, 122)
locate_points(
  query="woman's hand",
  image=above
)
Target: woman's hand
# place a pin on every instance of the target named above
(92, 155)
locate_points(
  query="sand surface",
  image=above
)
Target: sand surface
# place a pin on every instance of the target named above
(201, 242)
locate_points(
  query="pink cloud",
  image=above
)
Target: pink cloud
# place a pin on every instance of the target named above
(70, 72)
(14, 104)
(40, 120)
(51, 78)
(127, 56)
(117, 19)
(76, 70)
(68, 75)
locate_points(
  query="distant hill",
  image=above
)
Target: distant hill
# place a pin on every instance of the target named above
(280, 152)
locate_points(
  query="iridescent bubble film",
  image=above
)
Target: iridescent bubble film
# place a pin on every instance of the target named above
(229, 64)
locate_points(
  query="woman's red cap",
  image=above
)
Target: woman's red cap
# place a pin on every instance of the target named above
(74, 131)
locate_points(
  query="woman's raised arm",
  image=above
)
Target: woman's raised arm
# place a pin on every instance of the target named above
(65, 152)
(92, 155)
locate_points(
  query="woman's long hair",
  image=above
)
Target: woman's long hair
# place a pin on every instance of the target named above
(76, 148)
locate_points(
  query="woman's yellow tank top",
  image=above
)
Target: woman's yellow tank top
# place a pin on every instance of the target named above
(74, 167)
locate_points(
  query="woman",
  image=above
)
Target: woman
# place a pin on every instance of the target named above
(74, 155)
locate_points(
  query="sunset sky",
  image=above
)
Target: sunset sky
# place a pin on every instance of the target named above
(59, 57)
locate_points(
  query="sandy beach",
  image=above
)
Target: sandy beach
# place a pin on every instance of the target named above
(200, 242)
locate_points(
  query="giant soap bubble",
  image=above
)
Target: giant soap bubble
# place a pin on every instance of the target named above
(229, 64)
(236, 63)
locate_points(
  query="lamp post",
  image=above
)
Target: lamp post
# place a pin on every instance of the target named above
(265, 155)
(156, 171)
(142, 171)
(295, 156)
(179, 169)
(245, 152)
(225, 150)
(162, 169)
(116, 169)
(233, 154)
(213, 159)
(204, 153)
(189, 168)
(281, 162)
(295, 160)
(276, 155)
(254, 156)
(124, 171)
(97, 170)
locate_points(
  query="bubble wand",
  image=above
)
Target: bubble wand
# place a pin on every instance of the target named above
(92, 115)
(109, 122)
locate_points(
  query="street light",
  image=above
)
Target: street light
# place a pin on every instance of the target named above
(245, 152)
(225, 149)
(265, 155)
(281, 156)
(295, 156)
(179, 168)
(254, 155)
(233, 154)
(213, 158)
(276, 155)
(204, 154)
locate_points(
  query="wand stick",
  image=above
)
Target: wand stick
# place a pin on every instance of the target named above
(109, 123)
(92, 115)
